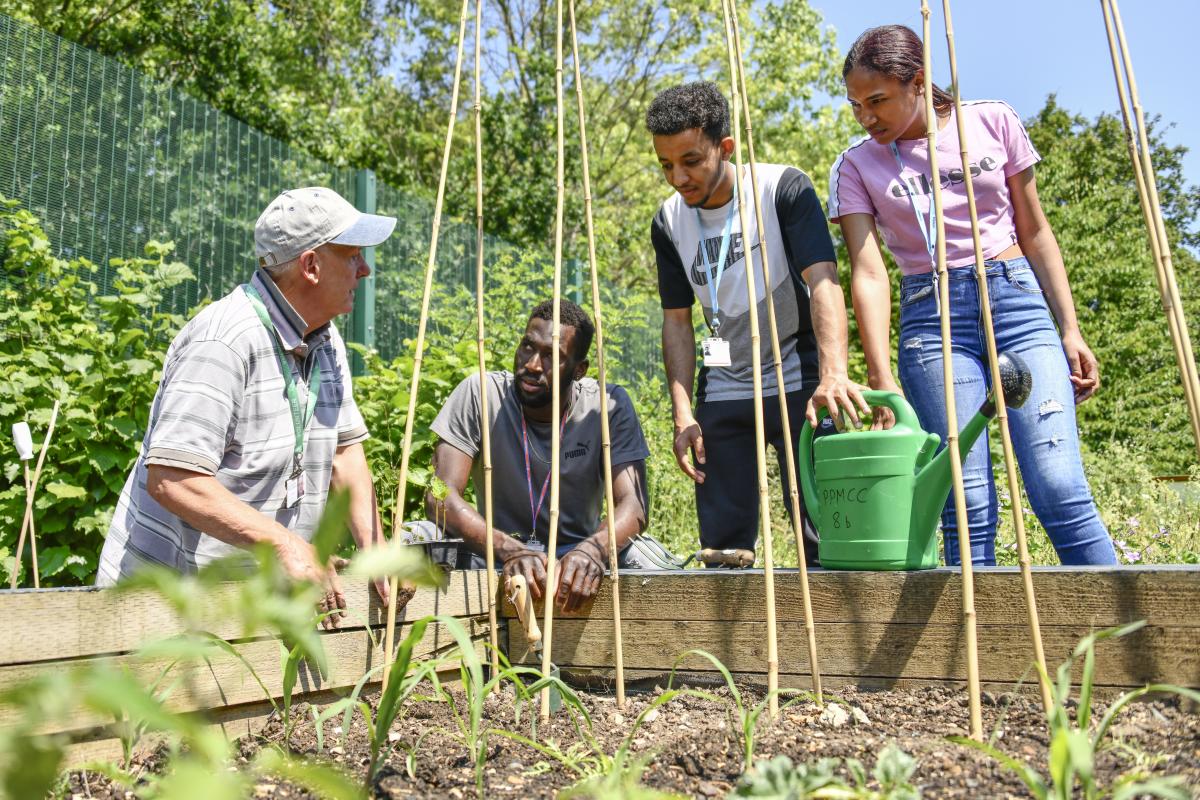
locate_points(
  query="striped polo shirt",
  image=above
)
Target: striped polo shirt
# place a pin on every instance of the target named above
(222, 410)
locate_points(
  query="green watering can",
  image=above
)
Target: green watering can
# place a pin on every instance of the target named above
(876, 496)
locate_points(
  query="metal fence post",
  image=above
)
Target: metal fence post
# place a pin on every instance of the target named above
(361, 328)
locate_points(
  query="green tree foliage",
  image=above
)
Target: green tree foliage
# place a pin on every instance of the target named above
(368, 85)
(305, 72)
(629, 52)
(1088, 192)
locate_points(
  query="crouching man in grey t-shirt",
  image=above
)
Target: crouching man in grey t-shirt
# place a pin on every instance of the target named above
(521, 416)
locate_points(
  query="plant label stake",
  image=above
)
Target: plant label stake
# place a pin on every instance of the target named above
(24, 441)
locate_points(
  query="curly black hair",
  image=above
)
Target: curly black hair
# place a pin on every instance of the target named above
(691, 105)
(573, 315)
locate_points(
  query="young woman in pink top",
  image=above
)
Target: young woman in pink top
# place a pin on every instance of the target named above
(881, 185)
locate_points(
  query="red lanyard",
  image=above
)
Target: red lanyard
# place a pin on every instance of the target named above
(535, 511)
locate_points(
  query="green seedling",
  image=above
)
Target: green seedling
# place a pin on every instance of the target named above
(746, 716)
(439, 491)
(780, 779)
(1070, 771)
(620, 780)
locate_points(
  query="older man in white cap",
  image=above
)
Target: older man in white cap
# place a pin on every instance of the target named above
(254, 421)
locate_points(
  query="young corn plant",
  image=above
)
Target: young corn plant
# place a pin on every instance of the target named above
(403, 679)
(469, 715)
(1070, 772)
(746, 716)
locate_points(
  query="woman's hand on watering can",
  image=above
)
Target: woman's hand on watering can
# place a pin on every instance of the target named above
(882, 417)
(1085, 370)
(689, 437)
(838, 393)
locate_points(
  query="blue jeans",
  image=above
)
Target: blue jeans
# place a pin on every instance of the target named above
(1043, 430)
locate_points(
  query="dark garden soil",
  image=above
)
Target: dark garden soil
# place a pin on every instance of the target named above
(696, 748)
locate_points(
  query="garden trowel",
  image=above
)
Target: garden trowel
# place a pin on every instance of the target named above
(518, 594)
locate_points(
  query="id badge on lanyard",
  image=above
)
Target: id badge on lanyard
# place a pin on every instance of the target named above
(294, 484)
(714, 348)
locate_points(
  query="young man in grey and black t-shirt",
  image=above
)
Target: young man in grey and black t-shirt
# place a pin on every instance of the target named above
(520, 418)
(700, 250)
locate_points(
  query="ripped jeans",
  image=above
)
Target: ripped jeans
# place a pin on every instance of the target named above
(1043, 430)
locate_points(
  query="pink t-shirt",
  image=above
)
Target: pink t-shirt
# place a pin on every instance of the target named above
(865, 179)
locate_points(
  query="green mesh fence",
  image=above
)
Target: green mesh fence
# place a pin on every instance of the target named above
(109, 158)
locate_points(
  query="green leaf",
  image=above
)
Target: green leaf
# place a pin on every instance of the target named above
(65, 491)
(333, 527)
(324, 781)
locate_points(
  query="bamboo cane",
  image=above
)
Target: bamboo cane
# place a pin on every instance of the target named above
(960, 499)
(1135, 156)
(480, 348)
(555, 383)
(1151, 209)
(1010, 466)
(760, 442)
(793, 490)
(414, 385)
(27, 522)
(605, 437)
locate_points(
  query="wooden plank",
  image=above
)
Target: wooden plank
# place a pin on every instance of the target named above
(225, 680)
(1167, 596)
(872, 650)
(57, 624)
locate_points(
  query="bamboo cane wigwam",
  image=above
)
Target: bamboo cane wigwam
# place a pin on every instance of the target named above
(760, 443)
(598, 321)
(793, 491)
(415, 383)
(1014, 488)
(960, 502)
(1147, 186)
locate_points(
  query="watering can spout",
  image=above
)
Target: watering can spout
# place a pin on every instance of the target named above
(933, 482)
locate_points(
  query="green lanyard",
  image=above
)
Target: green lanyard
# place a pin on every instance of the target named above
(300, 419)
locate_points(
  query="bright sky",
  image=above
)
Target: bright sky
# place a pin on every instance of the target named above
(1022, 50)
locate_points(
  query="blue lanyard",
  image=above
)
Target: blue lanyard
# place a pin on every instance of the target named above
(928, 230)
(714, 283)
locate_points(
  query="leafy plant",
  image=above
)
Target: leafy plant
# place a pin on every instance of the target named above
(780, 779)
(100, 356)
(1073, 745)
(619, 779)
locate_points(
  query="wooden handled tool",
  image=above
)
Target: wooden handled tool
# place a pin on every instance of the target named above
(518, 594)
(730, 558)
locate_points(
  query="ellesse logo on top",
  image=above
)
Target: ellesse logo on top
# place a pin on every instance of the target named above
(919, 184)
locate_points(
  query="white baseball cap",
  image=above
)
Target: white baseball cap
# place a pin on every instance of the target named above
(304, 219)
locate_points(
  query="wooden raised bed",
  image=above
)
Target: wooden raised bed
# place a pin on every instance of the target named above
(886, 629)
(873, 630)
(54, 629)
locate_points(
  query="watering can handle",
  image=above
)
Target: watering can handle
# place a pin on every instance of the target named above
(905, 417)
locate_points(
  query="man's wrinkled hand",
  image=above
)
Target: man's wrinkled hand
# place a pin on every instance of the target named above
(298, 559)
(580, 572)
